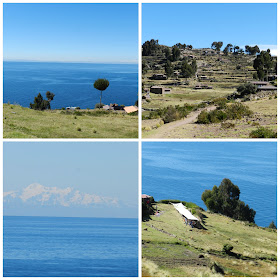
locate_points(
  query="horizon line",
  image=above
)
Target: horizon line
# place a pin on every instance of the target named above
(70, 217)
(82, 62)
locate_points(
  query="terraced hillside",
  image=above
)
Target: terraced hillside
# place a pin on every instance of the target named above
(170, 248)
(217, 76)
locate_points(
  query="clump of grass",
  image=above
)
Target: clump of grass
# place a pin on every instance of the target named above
(151, 269)
(227, 125)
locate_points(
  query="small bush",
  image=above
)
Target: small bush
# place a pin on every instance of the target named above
(171, 115)
(99, 106)
(62, 108)
(78, 113)
(272, 225)
(255, 124)
(79, 129)
(263, 132)
(227, 248)
(246, 89)
(220, 102)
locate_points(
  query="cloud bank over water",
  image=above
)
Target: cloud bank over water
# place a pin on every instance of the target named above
(36, 200)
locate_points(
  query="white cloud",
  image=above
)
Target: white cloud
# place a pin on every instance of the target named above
(56, 196)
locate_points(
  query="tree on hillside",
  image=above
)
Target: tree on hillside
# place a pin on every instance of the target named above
(227, 49)
(49, 96)
(217, 46)
(101, 84)
(263, 64)
(168, 69)
(225, 200)
(175, 53)
(188, 70)
(189, 47)
(167, 52)
(252, 50)
(150, 47)
(40, 103)
(235, 49)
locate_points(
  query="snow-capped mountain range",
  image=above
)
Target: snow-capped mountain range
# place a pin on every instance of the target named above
(36, 194)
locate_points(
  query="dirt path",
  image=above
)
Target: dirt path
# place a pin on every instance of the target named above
(166, 129)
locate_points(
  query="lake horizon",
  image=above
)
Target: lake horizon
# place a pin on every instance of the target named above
(71, 82)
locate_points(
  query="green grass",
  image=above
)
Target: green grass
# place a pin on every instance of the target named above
(20, 122)
(166, 237)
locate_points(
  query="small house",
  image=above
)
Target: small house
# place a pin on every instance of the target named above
(146, 198)
(130, 109)
(106, 107)
(267, 88)
(260, 83)
(203, 77)
(159, 77)
(189, 218)
(159, 90)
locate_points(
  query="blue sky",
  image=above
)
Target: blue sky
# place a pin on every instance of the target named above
(104, 169)
(71, 32)
(200, 24)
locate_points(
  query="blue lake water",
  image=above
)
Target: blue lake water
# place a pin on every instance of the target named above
(72, 83)
(82, 247)
(184, 170)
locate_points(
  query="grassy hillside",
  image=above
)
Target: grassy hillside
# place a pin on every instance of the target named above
(20, 122)
(170, 248)
(223, 74)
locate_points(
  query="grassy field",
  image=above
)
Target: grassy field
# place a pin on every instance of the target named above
(265, 115)
(170, 248)
(20, 122)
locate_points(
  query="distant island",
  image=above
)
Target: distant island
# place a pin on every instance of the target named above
(180, 238)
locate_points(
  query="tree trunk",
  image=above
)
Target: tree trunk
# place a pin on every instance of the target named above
(100, 100)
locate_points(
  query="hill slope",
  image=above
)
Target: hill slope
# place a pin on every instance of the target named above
(170, 248)
(20, 122)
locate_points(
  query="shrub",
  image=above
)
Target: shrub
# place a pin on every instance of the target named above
(227, 248)
(62, 108)
(263, 132)
(237, 111)
(171, 115)
(272, 225)
(246, 89)
(99, 106)
(79, 129)
(220, 102)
